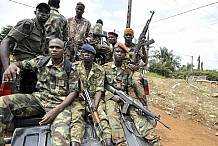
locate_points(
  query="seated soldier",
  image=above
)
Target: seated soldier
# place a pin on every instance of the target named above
(29, 37)
(91, 76)
(119, 77)
(56, 90)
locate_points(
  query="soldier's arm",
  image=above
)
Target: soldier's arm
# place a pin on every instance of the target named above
(144, 55)
(5, 50)
(65, 31)
(99, 87)
(88, 33)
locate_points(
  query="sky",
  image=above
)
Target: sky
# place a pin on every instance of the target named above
(187, 27)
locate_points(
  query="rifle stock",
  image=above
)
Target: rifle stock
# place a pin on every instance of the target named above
(130, 101)
(141, 40)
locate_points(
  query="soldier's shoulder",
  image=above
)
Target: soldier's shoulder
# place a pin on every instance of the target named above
(28, 25)
(71, 19)
(107, 65)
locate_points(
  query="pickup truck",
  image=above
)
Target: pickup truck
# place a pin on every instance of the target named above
(27, 131)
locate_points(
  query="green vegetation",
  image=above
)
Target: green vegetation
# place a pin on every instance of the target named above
(164, 63)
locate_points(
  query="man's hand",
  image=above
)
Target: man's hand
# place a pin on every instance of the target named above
(116, 98)
(49, 116)
(11, 72)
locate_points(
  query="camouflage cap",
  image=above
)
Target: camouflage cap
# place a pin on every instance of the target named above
(122, 46)
(128, 31)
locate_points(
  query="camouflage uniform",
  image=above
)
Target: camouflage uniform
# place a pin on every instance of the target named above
(79, 31)
(30, 38)
(93, 82)
(121, 79)
(135, 73)
(56, 26)
(103, 50)
(53, 89)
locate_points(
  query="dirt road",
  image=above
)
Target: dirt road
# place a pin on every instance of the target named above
(184, 133)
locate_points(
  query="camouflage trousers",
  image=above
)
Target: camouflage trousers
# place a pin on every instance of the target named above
(25, 105)
(78, 109)
(144, 127)
(138, 88)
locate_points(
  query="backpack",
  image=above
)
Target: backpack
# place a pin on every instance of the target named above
(67, 64)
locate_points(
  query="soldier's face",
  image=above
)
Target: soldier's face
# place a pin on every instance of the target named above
(42, 14)
(128, 38)
(112, 39)
(119, 54)
(87, 56)
(56, 50)
(79, 12)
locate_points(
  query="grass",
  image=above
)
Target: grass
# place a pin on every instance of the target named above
(151, 74)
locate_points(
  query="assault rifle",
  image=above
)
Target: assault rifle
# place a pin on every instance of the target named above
(129, 101)
(141, 40)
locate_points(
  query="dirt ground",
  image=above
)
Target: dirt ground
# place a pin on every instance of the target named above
(189, 109)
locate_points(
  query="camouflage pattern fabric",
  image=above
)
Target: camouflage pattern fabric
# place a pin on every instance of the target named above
(56, 26)
(98, 30)
(79, 31)
(121, 79)
(30, 38)
(53, 89)
(93, 82)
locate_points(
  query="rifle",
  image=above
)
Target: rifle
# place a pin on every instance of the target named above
(130, 101)
(93, 111)
(141, 41)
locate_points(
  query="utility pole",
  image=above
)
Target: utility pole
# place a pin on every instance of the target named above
(191, 63)
(129, 14)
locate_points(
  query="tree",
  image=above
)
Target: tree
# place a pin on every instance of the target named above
(202, 66)
(164, 62)
(5, 30)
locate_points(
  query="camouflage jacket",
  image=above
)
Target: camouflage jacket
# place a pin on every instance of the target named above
(79, 30)
(52, 80)
(119, 78)
(94, 81)
(30, 38)
(98, 30)
(56, 26)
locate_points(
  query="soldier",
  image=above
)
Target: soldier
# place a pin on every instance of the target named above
(29, 36)
(91, 76)
(138, 78)
(53, 96)
(118, 76)
(79, 32)
(56, 25)
(101, 50)
(128, 36)
(112, 40)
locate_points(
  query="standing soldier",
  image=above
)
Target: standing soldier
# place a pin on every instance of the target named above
(56, 90)
(29, 36)
(56, 25)
(128, 36)
(138, 78)
(112, 40)
(118, 76)
(96, 41)
(79, 32)
(91, 76)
